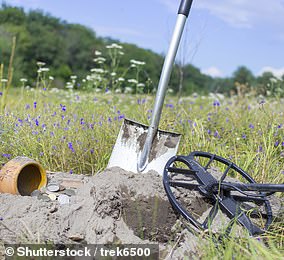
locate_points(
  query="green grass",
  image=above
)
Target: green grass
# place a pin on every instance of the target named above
(75, 131)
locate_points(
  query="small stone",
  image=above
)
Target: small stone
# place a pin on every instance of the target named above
(69, 192)
(52, 196)
(43, 198)
(35, 193)
(76, 237)
(63, 199)
(53, 187)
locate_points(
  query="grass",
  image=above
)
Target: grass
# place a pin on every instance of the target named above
(75, 131)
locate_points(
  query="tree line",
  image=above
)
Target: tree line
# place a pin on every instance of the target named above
(72, 49)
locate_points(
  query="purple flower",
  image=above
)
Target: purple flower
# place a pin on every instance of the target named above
(36, 122)
(28, 106)
(276, 143)
(35, 104)
(6, 155)
(63, 107)
(70, 146)
(216, 103)
(251, 126)
(92, 151)
(170, 105)
(244, 136)
(71, 171)
(1, 93)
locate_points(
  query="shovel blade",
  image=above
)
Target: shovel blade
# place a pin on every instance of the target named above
(130, 142)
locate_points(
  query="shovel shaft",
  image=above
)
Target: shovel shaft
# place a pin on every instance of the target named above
(161, 92)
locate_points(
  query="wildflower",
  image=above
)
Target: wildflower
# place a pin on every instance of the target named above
(4, 80)
(40, 63)
(1, 93)
(23, 80)
(137, 62)
(99, 60)
(121, 79)
(244, 136)
(98, 53)
(216, 103)
(73, 77)
(35, 104)
(114, 46)
(45, 69)
(95, 70)
(51, 78)
(134, 81)
(276, 143)
(251, 126)
(63, 108)
(70, 146)
(6, 155)
(113, 74)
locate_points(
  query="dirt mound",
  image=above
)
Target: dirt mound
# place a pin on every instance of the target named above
(114, 206)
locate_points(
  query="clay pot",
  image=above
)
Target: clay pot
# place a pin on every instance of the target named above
(22, 176)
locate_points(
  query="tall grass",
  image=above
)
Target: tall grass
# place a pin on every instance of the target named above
(75, 131)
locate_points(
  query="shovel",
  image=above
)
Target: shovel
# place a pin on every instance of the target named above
(140, 148)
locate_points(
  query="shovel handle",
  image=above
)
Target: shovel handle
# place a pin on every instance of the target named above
(184, 7)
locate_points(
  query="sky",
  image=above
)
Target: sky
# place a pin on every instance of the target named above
(219, 36)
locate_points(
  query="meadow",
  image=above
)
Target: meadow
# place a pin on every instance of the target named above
(74, 131)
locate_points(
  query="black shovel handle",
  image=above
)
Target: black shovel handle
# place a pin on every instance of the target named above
(184, 7)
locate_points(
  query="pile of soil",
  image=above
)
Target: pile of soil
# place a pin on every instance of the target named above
(114, 206)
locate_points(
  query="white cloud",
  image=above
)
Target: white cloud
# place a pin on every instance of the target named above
(213, 72)
(277, 72)
(239, 13)
(243, 13)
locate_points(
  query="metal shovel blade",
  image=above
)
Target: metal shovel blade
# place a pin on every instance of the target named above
(130, 142)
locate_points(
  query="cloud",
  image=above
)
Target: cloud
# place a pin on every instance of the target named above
(277, 72)
(239, 13)
(213, 72)
(243, 13)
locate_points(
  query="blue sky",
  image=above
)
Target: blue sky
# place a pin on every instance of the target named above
(219, 36)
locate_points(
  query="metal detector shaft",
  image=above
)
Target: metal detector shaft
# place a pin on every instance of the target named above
(261, 187)
(163, 83)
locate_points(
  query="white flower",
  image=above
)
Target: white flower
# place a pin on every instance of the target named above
(121, 53)
(113, 74)
(127, 90)
(100, 60)
(114, 46)
(4, 80)
(44, 69)
(23, 80)
(98, 53)
(97, 70)
(121, 79)
(40, 63)
(69, 85)
(118, 90)
(73, 77)
(137, 62)
(51, 78)
(134, 81)
(140, 85)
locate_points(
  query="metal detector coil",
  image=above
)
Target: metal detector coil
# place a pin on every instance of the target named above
(238, 200)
